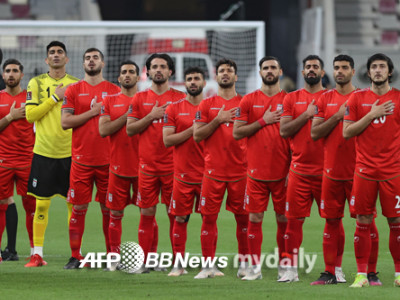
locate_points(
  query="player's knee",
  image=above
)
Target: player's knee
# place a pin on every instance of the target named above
(182, 219)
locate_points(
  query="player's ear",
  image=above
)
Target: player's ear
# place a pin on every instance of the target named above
(66, 59)
(46, 60)
(236, 78)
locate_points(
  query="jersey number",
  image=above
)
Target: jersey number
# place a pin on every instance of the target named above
(48, 92)
(381, 120)
(398, 202)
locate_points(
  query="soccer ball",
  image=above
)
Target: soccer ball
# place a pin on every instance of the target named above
(132, 257)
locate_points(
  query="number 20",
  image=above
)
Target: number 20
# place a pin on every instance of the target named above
(381, 120)
(398, 202)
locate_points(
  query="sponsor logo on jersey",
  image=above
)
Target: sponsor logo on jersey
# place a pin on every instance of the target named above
(279, 107)
(79, 95)
(183, 114)
(332, 104)
(258, 106)
(300, 102)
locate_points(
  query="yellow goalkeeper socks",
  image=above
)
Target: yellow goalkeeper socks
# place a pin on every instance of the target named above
(40, 221)
(69, 206)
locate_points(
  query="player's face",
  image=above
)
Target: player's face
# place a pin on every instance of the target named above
(12, 75)
(194, 84)
(159, 71)
(128, 76)
(342, 72)
(379, 72)
(92, 63)
(270, 72)
(226, 76)
(312, 72)
(56, 57)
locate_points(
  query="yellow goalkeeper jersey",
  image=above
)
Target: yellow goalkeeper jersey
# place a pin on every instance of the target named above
(41, 107)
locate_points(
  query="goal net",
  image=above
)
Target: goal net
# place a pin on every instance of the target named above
(189, 43)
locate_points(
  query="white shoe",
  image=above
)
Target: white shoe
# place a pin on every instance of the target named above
(175, 272)
(160, 269)
(205, 273)
(243, 270)
(281, 271)
(251, 275)
(217, 273)
(114, 266)
(289, 276)
(340, 277)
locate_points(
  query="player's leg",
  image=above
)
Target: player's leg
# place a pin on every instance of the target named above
(6, 193)
(166, 193)
(10, 253)
(373, 257)
(3, 209)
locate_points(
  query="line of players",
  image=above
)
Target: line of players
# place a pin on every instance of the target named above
(216, 141)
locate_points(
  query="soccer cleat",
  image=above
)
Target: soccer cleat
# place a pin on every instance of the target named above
(360, 281)
(73, 263)
(9, 256)
(175, 272)
(373, 279)
(325, 278)
(289, 276)
(340, 277)
(159, 269)
(35, 261)
(397, 281)
(217, 273)
(205, 273)
(251, 275)
(281, 271)
(243, 271)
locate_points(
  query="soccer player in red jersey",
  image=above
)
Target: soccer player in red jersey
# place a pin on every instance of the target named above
(224, 166)
(90, 152)
(155, 160)
(305, 175)
(373, 116)
(337, 181)
(188, 159)
(124, 159)
(16, 145)
(258, 120)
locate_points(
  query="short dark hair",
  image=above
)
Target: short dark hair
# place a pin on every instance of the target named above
(13, 61)
(129, 62)
(192, 70)
(92, 50)
(381, 56)
(344, 57)
(163, 56)
(313, 57)
(225, 61)
(267, 58)
(54, 44)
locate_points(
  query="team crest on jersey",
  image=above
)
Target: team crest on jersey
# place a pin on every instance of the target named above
(72, 193)
(347, 112)
(110, 196)
(165, 118)
(203, 201)
(102, 109)
(238, 112)
(65, 100)
(287, 206)
(198, 115)
(130, 109)
(352, 200)
(316, 110)
(103, 95)
(34, 182)
(322, 204)
(29, 96)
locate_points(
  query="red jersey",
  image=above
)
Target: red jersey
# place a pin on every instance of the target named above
(154, 157)
(224, 157)
(377, 147)
(188, 156)
(124, 154)
(88, 147)
(266, 142)
(18, 138)
(339, 153)
(307, 155)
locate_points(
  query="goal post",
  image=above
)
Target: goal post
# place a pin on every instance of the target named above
(242, 41)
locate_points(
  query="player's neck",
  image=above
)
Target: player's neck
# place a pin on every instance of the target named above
(160, 89)
(94, 80)
(227, 93)
(13, 91)
(380, 89)
(270, 90)
(129, 92)
(57, 73)
(312, 89)
(195, 100)
(345, 89)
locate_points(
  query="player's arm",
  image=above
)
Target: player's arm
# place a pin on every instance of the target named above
(241, 129)
(108, 127)
(171, 138)
(202, 130)
(290, 127)
(321, 128)
(13, 115)
(351, 129)
(69, 120)
(136, 126)
(35, 111)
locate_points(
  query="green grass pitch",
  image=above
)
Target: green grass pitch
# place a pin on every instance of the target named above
(53, 282)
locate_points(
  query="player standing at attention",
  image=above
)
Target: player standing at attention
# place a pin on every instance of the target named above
(188, 159)
(224, 166)
(124, 160)
(258, 120)
(305, 175)
(51, 161)
(155, 160)
(337, 181)
(16, 144)
(90, 152)
(373, 116)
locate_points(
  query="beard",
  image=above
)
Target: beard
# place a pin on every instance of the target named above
(158, 80)
(380, 82)
(93, 72)
(270, 82)
(226, 85)
(195, 92)
(128, 86)
(13, 84)
(312, 80)
(343, 81)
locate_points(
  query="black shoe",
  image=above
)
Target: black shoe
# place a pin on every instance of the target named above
(9, 256)
(73, 263)
(325, 278)
(373, 279)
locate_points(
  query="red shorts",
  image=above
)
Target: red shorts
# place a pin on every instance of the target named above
(257, 195)
(213, 192)
(7, 179)
(301, 191)
(119, 191)
(81, 183)
(365, 193)
(183, 198)
(333, 197)
(150, 187)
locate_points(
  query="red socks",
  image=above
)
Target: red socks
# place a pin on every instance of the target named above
(115, 232)
(373, 257)
(341, 242)
(209, 235)
(242, 221)
(294, 237)
(171, 228)
(394, 244)
(280, 237)
(362, 246)
(106, 223)
(255, 238)
(3, 209)
(179, 234)
(76, 228)
(330, 243)
(29, 204)
(154, 243)
(146, 233)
